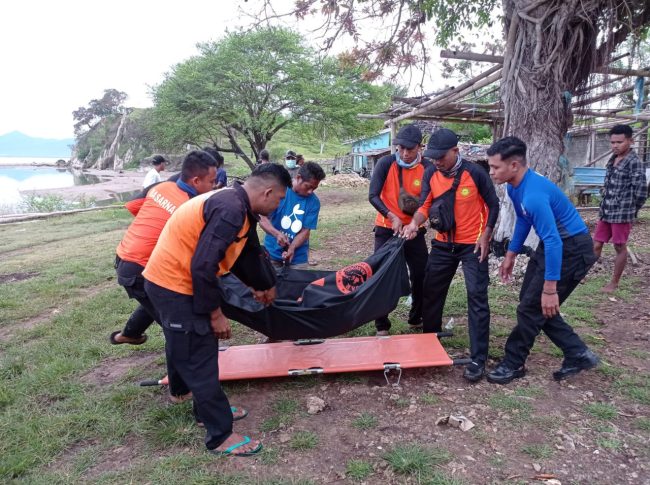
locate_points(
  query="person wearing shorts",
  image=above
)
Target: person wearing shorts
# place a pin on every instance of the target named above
(624, 194)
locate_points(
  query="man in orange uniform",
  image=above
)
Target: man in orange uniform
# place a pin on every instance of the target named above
(152, 209)
(211, 235)
(475, 210)
(394, 191)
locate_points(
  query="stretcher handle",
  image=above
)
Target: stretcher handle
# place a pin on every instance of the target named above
(150, 382)
(444, 334)
(464, 361)
(309, 341)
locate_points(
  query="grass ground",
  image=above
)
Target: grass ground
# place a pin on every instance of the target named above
(71, 412)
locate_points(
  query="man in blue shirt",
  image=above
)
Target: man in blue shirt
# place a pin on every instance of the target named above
(222, 178)
(563, 257)
(289, 226)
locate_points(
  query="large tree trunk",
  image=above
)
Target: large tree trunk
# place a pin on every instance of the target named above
(549, 50)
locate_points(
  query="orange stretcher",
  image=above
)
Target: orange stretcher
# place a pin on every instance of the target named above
(331, 356)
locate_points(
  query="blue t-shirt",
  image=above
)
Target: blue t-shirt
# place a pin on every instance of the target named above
(294, 213)
(541, 204)
(222, 177)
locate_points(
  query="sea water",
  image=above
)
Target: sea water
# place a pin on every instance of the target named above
(17, 179)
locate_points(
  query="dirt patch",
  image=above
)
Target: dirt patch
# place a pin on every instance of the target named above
(113, 369)
(495, 450)
(12, 277)
(355, 245)
(65, 461)
(626, 326)
(8, 331)
(336, 196)
(349, 180)
(113, 459)
(118, 458)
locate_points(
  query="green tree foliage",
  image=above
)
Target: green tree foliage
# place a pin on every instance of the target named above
(251, 85)
(87, 117)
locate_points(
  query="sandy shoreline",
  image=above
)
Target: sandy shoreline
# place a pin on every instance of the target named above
(113, 186)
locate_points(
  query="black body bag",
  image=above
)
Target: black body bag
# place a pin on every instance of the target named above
(322, 304)
(441, 213)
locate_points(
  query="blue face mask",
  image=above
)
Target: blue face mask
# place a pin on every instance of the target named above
(290, 163)
(403, 164)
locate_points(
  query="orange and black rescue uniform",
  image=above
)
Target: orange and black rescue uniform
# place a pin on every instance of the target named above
(152, 209)
(384, 196)
(476, 207)
(202, 240)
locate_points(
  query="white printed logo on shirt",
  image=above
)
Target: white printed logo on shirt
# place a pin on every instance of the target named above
(295, 225)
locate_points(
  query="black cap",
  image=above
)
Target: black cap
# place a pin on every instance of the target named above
(408, 137)
(158, 159)
(441, 142)
(290, 153)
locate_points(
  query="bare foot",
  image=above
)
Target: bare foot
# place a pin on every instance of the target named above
(235, 438)
(610, 288)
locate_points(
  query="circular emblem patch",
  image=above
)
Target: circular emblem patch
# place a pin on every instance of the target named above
(464, 192)
(351, 277)
(416, 182)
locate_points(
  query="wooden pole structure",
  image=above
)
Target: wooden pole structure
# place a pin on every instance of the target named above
(470, 56)
(622, 72)
(446, 119)
(609, 152)
(393, 135)
(599, 85)
(473, 56)
(379, 116)
(484, 79)
(601, 97)
(639, 117)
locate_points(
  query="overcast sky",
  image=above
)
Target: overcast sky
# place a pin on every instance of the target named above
(56, 56)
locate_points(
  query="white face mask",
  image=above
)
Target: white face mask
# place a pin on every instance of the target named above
(290, 163)
(403, 164)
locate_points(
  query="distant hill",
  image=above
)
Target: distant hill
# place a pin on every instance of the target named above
(17, 144)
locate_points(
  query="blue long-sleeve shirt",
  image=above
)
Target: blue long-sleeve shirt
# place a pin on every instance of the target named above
(541, 204)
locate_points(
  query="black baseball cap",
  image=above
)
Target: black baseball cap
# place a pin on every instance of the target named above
(408, 137)
(158, 159)
(440, 142)
(290, 154)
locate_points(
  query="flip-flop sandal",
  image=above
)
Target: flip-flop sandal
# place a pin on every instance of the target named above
(243, 414)
(233, 409)
(229, 450)
(139, 341)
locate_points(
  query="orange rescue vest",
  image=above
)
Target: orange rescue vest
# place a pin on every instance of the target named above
(143, 233)
(170, 263)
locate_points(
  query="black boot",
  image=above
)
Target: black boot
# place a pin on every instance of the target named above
(503, 374)
(474, 372)
(571, 366)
